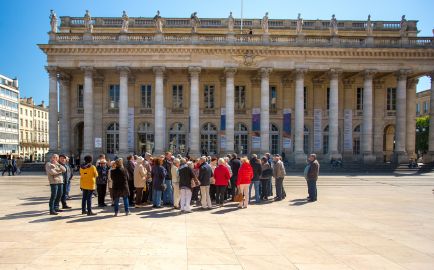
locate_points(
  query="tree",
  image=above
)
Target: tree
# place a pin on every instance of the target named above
(422, 133)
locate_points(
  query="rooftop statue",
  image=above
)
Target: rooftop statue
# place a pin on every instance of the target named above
(53, 21)
(333, 26)
(231, 22)
(158, 22)
(403, 26)
(264, 23)
(194, 21)
(300, 23)
(369, 26)
(88, 22)
(125, 22)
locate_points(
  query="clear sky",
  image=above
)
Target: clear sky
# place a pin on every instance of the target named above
(25, 23)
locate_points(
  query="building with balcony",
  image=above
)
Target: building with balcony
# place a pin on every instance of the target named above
(33, 130)
(9, 98)
(337, 88)
(423, 99)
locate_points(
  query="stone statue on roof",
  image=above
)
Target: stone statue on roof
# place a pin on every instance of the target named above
(88, 22)
(194, 21)
(158, 22)
(403, 26)
(231, 22)
(125, 22)
(264, 23)
(333, 26)
(369, 26)
(53, 21)
(300, 23)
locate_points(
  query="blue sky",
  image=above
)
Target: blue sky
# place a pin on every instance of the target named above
(25, 23)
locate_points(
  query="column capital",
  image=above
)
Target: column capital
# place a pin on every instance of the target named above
(265, 72)
(159, 70)
(411, 83)
(52, 70)
(299, 73)
(123, 70)
(402, 74)
(64, 78)
(194, 70)
(334, 73)
(348, 83)
(369, 73)
(317, 82)
(230, 71)
(88, 70)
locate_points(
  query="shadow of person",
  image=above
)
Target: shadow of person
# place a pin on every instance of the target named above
(90, 218)
(299, 202)
(25, 214)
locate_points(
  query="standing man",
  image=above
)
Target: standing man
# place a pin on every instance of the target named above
(235, 164)
(147, 195)
(168, 193)
(54, 171)
(279, 174)
(175, 183)
(311, 173)
(129, 166)
(66, 178)
(256, 183)
(205, 174)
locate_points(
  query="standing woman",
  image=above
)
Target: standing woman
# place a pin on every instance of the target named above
(139, 180)
(101, 181)
(88, 175)
(186, 175)
(222, 177)
(158, 174)
(110, 181)
(244, 178)
(267, 173)
(119, 176)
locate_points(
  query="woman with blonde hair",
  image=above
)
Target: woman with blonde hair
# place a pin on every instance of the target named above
(245, 175)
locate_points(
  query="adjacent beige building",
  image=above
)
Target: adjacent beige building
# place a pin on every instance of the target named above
(423, 103)
(33, 130)
(189, 85)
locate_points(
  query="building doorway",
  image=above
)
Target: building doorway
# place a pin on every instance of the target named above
(78, 138)
(389, 142)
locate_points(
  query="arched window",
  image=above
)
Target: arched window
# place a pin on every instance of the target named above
(177, 141)
(208, 139)
(241, 139)
(325, 140)
(306, 140)
(112, 138)
(274, 139)
(145, 138)
(357, 128)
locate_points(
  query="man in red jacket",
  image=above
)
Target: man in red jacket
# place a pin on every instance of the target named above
(245, 175)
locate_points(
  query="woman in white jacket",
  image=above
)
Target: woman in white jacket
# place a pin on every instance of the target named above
(139, 180)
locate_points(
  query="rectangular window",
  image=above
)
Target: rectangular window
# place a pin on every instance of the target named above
(356, 147)
(39, 115)
(425, 107)
(328, 98)
(146, 96)
(30, 113)
(391, 99)
(114, 96)
(417, 108)
(305, 98)
(27, 124)
(25, 111)
(21, 110)
(177, 96)
(80, 96)
(240, 97)
(359, 99)
(21, 122)
(273, 97)
(208, 96)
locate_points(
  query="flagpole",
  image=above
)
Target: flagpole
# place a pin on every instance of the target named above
(241, 16)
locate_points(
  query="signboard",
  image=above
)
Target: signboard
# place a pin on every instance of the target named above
(223, 143)
(256, 142)
(98, 142)
(317, 130)
(287, 143)
(131, 129)
(348, 130)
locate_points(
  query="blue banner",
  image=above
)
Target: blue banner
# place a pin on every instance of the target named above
(287, 121)
(223, 119)
(256, 119)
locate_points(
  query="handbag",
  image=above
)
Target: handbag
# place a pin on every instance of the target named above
(238, 197)
(194, 183)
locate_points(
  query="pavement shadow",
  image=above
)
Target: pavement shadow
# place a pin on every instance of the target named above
(226, 210)
(298, 202)
(90, 218)
(25, 214)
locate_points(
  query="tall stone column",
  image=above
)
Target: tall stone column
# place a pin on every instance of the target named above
(378, 119)
(367, 125)
(265, 110)
(334, 115)
(65, 120)
(123, 111)
(400, 154)
(299, 155)
(230, 109)
(411, 119)
(194, 111)
(159, 114)
(53, 113)
(430, 155)
(347, 152)
(88, 137)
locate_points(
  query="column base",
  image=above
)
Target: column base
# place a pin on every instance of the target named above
(428, 157)
(379, 157)
(400, 157)
(300, 158)
(369, 158)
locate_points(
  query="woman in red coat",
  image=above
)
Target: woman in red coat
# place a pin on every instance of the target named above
(245, 175)
(222, 177)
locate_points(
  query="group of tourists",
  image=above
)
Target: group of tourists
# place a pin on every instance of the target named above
(12, 165)
(173, 181)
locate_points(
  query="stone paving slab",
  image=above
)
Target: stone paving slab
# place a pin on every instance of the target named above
(359, 222)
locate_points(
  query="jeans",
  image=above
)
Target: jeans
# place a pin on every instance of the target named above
(86, 200)
(279, 187)
(185, 199)
(68, 187)
(56, 194)
(205, 199)
(265, 185)
(102, 190)
(257, 186)
(156, 197)
(220, 198)
(63, 198)
(311, 189)
(126, 204)
(168, 193)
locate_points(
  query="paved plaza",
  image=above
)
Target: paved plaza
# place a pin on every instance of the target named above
(359, 222)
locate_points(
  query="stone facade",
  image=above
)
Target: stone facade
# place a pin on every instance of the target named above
(9, 99)
(216, 91)
(423, 103)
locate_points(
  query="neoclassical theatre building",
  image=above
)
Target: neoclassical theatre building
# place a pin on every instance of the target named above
(204, 85)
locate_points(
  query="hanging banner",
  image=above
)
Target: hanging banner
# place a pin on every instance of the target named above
(222, 143)
(287, 143)
(256, 119)
(317, 130)
(223, 119)
(348, 130)
(131, 129)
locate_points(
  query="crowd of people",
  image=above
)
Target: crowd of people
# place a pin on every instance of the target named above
(173, 181)
(12, 165)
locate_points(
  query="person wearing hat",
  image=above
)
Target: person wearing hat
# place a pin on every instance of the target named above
(101, 181)
(139, 180)
(67, 175)
(279, 174)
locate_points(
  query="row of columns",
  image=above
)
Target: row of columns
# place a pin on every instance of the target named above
(404, 120)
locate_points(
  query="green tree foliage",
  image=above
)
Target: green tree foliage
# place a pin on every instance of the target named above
(422, 133)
